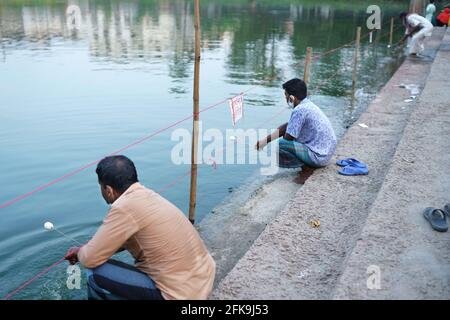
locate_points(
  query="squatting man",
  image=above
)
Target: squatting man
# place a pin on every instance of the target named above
(307, 140)
(417, 28)
(171, 261)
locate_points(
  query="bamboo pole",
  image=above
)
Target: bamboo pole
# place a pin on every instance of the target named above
(355, 64)
(391, 33)
(307, 64)
(195, 125)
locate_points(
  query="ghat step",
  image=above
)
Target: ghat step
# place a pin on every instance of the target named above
(292, 260)
(405, 257)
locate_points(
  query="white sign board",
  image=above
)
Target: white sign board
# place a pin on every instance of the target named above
(237, 108)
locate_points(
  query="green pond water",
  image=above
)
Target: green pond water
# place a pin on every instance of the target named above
(75, 89)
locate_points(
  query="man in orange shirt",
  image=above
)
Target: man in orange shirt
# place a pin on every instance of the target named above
(171, 261)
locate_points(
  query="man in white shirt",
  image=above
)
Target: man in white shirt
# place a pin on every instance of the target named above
(417, 28)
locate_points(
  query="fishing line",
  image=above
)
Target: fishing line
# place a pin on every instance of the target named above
(50, 227)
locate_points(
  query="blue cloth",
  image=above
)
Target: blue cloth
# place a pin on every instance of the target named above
(292, 154)
(115, 280)
(311, 127)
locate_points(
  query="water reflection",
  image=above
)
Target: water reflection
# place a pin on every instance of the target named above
(260, 40)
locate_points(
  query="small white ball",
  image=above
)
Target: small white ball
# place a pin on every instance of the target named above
(232, 137)
(48, 225)
(389, 45)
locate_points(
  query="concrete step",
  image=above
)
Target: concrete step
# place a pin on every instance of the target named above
(292, 260)
(405, 257)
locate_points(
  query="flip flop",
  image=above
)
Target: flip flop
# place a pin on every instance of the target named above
(351, 162)
(437, 219)
(447, 209)
(353, 171)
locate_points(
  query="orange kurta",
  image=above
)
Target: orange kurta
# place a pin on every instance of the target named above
(163, 242)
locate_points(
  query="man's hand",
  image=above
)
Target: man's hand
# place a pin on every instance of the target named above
(72, 255)
(403, 39)
(271, 137)
(261, 144)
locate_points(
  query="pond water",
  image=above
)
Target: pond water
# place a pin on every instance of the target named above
(81, 83)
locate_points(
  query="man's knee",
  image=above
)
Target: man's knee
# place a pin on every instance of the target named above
(118, 280)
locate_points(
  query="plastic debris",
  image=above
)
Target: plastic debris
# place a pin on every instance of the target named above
(314, 223)
(412, 88)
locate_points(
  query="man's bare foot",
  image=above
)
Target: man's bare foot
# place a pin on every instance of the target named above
(304, 175)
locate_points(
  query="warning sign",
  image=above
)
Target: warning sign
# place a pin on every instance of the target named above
(237, 108)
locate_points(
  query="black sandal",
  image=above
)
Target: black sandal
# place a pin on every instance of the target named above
(437, 218)
(447, 209)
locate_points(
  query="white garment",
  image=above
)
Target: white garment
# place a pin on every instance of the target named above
(412, 21)
(431, 9)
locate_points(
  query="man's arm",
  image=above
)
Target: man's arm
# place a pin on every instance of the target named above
(411, 33)
(415, 30)
(287, 136)
(280, 132)
(116, 229)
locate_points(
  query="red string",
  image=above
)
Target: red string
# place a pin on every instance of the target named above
(165, 188)
(27, 283)
(141, 140)
(319, 56)
(322, 83)
(37, 276)
(323, 54)
(174, 182)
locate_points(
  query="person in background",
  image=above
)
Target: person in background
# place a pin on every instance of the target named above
(417, 28)
(308, 139)
(443, 18)
(171, 261)
(430, 11)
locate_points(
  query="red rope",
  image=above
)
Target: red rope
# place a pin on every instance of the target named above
(27, 283)
(141, 140)
(323, 54)
(40, 274)
(319, 56)
(322, 83)
(273, 117)
(174, 182)
(165, 188)
(145, 138)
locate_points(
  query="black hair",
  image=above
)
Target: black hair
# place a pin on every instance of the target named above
(296, 88)
(118, 172)
(403, 14)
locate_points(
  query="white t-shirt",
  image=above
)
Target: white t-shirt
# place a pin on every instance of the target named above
(413, 20)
